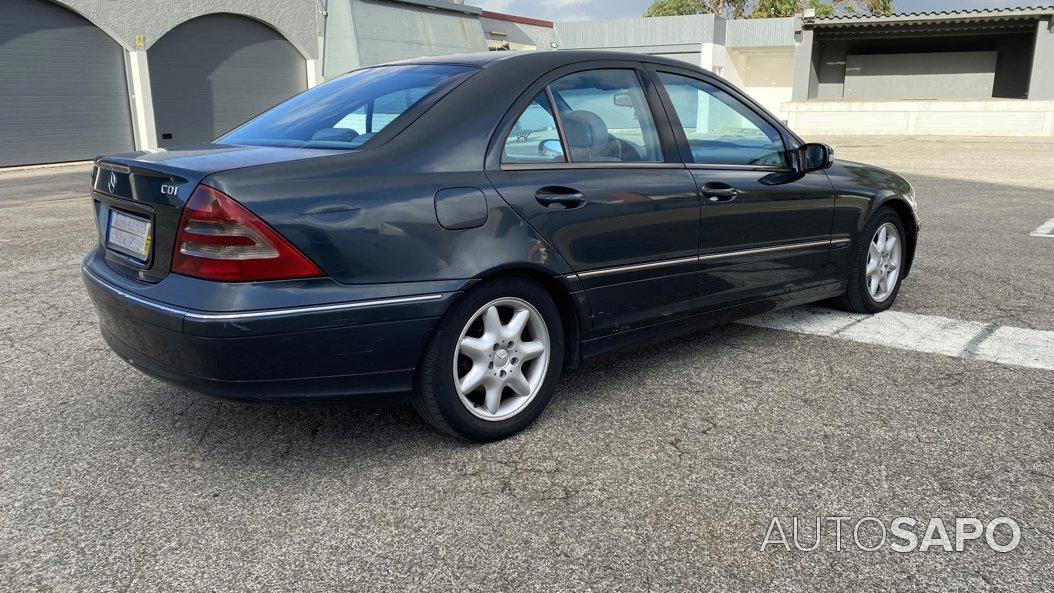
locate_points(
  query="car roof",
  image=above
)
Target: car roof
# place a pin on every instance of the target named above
(485, 59)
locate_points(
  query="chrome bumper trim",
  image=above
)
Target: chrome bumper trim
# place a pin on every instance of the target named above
(263, 314)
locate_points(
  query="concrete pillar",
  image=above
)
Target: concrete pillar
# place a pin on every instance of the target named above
(804, 73)
(1041, 81)
(340, 49)
(142, 101)
(314, 73)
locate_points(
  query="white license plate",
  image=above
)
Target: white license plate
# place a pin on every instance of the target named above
(129, 234)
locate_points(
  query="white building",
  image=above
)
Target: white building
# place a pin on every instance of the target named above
(985, 72)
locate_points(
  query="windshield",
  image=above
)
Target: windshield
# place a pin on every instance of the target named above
(348, 111)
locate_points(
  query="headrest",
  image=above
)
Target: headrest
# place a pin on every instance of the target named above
(585, 130)
(334, 135)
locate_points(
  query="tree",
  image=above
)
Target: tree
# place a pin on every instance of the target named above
(676, 7)
(823, 9)
(735, 9)
(761, 9)
(881, 7)
(767, 9)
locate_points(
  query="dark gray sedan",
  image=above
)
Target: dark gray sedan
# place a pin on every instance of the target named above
(464, 228)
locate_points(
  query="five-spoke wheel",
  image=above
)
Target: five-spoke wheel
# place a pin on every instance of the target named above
(877, 264)
(883, 262)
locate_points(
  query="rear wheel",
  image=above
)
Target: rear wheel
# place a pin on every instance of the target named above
(492, 365)
(877, 265)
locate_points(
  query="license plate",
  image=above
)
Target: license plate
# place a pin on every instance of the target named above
(129, 234)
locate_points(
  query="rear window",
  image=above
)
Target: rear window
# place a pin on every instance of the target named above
(348, 111)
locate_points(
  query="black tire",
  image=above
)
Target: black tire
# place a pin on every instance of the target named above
(435, 397)
(857, 298)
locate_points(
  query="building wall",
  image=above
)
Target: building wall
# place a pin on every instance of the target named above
(989, 117)
(760, 32)
(367, 32)
(756, 55)
(297, 20)
(830, 69)
(1014, 50)
(936, 75)
(1041, 82)
(518, 35)
(764, 73)
(636, 32)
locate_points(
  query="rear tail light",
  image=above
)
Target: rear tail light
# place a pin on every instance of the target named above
(219, 239)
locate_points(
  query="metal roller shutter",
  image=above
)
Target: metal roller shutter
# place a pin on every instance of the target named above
(212, 73)
(63, 88)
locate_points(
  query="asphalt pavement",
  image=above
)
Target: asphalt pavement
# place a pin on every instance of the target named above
(656, 470)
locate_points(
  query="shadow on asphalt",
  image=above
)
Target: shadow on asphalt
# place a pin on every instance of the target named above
(218, 428)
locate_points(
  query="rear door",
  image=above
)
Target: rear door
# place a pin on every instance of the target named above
(764, 229)
(587, 157)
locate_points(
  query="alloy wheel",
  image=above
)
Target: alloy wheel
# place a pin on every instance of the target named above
(883, 262)
(501, 359)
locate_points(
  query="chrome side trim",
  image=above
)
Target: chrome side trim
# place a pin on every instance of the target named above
(594, 165)
(264, 314)
(654, 264)
(722, 167)
(837, 243)
(760, 250)
(710, 257)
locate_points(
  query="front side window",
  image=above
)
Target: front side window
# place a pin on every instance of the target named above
(606, 117)
(720, 129)
(534, 137)
(348, 111)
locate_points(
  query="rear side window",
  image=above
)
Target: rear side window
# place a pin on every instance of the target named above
(606, 117)
(720, 129)
(348, 111)
(534, 137)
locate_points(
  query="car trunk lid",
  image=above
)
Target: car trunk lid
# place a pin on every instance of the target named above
(138, 198)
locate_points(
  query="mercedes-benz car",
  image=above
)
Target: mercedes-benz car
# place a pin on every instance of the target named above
(464, 228)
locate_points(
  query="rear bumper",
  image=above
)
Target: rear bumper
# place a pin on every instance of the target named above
(327, 350)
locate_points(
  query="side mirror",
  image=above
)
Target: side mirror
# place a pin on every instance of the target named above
(550, 148)
(814, 156)
(623, 99)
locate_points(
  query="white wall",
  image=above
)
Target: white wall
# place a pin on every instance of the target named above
(766, 74)
(990, 117)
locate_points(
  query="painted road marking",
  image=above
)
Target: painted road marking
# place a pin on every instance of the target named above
(1045, 230)
(921, 333)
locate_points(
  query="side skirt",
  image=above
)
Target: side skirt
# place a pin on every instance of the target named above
(666, 330)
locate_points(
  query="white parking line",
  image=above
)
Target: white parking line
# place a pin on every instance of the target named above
(921, 333)
(1045, 230)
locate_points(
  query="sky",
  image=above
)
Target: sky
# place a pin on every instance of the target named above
(581, 10)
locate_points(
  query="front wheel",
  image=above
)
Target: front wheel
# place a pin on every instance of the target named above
(877, 265)
(492, 364)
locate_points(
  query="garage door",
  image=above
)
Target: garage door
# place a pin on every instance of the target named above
(63, 90)
(212, 73)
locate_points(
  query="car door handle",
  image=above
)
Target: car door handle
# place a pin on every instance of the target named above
(720, 192)
(563, 197)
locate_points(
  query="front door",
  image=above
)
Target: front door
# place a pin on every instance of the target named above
(764, 230)
(586, 164)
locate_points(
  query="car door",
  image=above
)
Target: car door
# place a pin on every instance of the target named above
(587, 157)
(764, 229)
